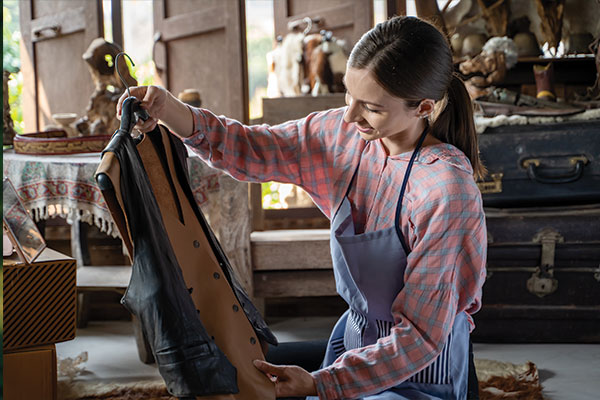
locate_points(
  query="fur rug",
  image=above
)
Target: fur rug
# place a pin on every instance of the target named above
(497, 381)
(502, 381)
(151, 389)
(481, 123)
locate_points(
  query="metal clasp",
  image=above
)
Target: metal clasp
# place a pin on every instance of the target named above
(575, 159)
(542, 281)
(495, 186)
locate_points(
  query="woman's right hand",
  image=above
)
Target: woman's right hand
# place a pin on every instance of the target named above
(153, 100)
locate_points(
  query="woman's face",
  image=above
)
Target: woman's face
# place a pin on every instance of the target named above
(379, 115)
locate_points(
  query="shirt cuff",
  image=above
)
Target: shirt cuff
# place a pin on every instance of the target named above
(197, 135)
(327, 385)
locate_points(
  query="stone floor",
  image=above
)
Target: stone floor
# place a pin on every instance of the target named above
(567, 371)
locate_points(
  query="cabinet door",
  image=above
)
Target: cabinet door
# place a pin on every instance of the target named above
(30, 374)
(202, 45)
(347, 19)
(55, 34)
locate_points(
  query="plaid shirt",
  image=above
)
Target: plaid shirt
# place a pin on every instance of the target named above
(442, 220)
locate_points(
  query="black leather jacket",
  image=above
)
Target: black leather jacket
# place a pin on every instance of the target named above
(188, 359)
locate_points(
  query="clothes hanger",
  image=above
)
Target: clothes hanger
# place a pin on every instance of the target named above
(131, 112)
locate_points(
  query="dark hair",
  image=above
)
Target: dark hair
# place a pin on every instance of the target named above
(412, 60)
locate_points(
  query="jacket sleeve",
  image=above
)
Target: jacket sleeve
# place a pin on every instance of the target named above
(298, 152)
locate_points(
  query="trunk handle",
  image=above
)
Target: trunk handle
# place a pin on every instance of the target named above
(534, 170)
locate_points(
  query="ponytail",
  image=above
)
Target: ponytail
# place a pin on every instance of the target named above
(453, 123)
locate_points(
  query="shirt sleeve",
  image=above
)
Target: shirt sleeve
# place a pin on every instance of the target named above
(300, 152)
(444, 274)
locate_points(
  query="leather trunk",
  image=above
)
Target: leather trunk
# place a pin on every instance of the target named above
(543, 276)
(541, 165)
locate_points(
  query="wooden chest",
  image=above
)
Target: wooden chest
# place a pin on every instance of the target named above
(40, 301)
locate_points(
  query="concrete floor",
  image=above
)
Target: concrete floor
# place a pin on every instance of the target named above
(567, 371)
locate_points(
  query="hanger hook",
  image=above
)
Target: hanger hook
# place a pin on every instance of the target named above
(119, 71)
(309, 24)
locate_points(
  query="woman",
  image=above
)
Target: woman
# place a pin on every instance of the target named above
(394, 172)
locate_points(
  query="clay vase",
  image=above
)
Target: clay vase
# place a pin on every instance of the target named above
(527, 45)
(473, 44)
(191, 97)
(457, 44)
(65, 120)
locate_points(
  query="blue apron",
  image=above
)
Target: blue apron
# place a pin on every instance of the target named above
(369, 274)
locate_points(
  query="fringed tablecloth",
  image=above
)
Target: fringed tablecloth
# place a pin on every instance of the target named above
(64, 186)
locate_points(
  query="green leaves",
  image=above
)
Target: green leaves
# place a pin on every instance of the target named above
(11, 36)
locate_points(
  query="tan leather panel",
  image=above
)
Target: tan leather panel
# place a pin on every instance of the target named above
(219, 309)
(109, 165)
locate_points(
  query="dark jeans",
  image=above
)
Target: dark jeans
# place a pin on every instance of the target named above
(310, 354)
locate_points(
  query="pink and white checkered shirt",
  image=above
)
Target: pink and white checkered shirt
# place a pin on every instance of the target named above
(442, 220)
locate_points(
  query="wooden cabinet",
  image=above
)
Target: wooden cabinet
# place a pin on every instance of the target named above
(30, 374)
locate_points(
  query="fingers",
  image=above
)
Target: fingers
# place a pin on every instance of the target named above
(120, 105)
(289, 380)
(154, 101)
(146, 126)
(269, 368)
(136, 91)
(150, 96)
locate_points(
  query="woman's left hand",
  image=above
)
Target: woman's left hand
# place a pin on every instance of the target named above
(289, 380)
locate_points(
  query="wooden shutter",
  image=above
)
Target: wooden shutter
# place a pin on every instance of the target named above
(202, 45)
(347, 19)
(395, 7)
(55, 34)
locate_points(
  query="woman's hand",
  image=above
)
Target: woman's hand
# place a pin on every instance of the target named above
(153, 100)
(289, 380)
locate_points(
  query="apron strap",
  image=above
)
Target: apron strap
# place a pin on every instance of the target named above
(355, 172)
(404, 182)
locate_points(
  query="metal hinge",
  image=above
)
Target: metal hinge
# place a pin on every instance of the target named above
(542, 281)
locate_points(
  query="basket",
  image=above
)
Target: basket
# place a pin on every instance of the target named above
(57, 142)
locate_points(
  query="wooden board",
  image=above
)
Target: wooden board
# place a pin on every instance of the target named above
(347, 19)
(204, 48)
(294, 283)
(284, 109)
(291, 250)
(103, 277)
